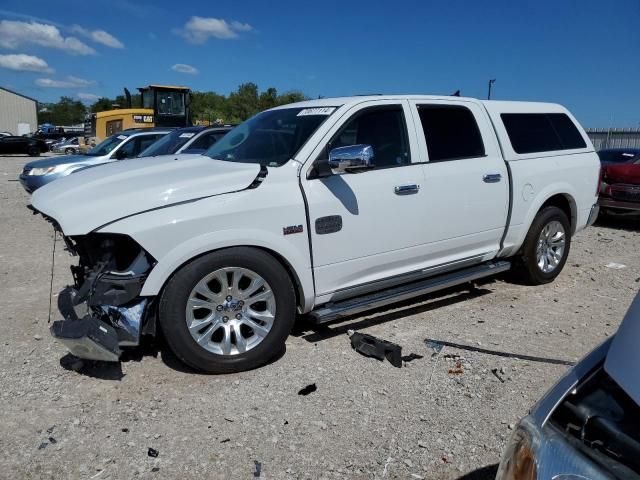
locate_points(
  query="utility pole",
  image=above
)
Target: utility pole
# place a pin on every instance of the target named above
(491, 82)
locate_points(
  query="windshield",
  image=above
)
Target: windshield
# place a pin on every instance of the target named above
(617, 156)
(168, 144)
(270, 138)
(105, 147)
(170, 103)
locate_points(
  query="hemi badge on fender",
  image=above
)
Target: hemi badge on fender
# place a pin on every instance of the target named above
(292, 229)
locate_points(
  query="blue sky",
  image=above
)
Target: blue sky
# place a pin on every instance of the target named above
(584, 54)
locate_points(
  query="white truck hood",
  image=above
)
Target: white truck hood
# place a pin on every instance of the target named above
(86, 200)
(623, 357)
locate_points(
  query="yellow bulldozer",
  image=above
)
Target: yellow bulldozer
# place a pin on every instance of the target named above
(162, 106)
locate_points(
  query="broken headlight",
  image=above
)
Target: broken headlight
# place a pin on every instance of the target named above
(519, 460)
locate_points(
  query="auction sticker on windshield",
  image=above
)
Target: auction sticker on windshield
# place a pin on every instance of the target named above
(122, 137)
(186, 135)
(316, 111)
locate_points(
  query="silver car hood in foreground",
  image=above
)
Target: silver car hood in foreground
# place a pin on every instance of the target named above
(623, 359)
(89, 199)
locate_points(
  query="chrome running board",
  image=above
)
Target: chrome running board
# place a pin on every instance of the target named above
(335, 310)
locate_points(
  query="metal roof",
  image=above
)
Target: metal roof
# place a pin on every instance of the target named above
(18, 94)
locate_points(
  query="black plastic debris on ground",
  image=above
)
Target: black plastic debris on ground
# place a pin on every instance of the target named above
(308, 389)
(497, 375)
(258, 471)
(411, 357)
(373, 347)
(225, 440)
(153, 453)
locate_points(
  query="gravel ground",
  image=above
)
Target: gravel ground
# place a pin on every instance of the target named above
(440, 417)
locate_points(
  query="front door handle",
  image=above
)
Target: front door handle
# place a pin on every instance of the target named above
(492, 178)
(406, 189)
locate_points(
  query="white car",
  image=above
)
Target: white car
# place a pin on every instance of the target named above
(68, 147)
(326, 207)
(121, 146)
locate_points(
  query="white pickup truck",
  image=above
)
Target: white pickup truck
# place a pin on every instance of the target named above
(327, 208)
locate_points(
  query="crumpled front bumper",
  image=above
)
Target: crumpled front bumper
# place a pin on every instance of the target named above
(97, 333)
(104, 310)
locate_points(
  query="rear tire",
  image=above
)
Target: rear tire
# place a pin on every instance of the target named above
(546, 247)
(33, 151)
(218, 291)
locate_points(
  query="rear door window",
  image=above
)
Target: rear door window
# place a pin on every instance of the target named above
(541, 132)
(204, 141)
(145, 141)
(451, 132)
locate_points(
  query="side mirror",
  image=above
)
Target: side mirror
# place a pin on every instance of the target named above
(120, 154)
(351, 158)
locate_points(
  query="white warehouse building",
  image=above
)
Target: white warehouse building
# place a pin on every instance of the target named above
(18, 113)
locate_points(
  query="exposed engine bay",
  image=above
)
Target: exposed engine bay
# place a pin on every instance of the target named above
(601, 421)
(102, 310)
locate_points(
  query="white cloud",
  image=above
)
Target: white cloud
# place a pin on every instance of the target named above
(98, 36)
(241, 27)
(184, 68)
(70, 82)
(14, 34)
(88, 97)
(24, 63)
(199, 29)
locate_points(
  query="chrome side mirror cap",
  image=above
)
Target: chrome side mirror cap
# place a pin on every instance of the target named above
(351, 158)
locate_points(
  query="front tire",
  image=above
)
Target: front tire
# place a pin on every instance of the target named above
(546, 246)
(228, 311)
(33, 151)
(70, 151)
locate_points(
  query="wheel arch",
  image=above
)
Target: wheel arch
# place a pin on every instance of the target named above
(567, 204)
(157, 285)
(558, 195)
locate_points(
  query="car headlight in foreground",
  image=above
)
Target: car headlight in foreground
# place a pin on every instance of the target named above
(41, 171)
(519, 461)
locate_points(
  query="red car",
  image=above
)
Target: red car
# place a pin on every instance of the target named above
(620, 186)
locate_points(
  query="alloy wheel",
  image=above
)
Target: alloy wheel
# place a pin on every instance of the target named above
(230, 311)
(550, 247)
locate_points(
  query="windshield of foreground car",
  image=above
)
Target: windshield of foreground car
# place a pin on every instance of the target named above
(168, 144)
(105, 147)
(270, 138)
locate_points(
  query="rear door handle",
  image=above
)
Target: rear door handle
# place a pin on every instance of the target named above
(492, 178)
(406, 189)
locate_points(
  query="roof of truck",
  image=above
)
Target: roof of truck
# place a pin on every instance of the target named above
(495, 105)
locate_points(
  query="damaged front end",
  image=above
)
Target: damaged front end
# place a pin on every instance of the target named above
(103, 310)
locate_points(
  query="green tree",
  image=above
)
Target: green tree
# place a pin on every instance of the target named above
(208, 106)
(268, 99)
(291, 97)
(101, 105)
(66, 111)
(243, 103)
